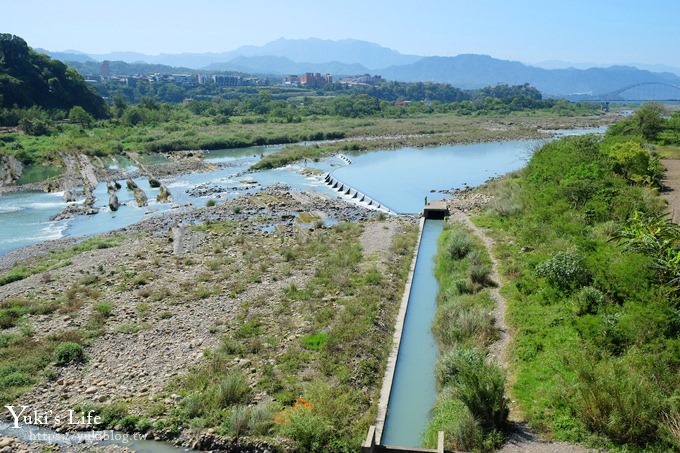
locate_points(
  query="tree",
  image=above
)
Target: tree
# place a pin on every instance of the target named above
(649, 120)
(78, 115)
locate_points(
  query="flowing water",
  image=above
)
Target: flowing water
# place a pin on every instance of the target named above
(399, 179)
(414, 387)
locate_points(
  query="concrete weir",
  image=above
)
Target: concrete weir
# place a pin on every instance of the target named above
(409, 387)
(354, 194)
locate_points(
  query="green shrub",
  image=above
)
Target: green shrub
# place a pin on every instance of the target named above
(239, 420)
(565, 270)
(478, 384)
(615, 400)
(315, 341)
(479, 275)
(588, 300)
(68, 352)
(461, 431)
(455, 324)
(210, 203)
(230, 390)
(451, 363)
(104, 309)
(310, 432)
(458, 245)
(261, 420)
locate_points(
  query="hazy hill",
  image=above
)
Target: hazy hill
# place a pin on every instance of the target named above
(282, 65)
(476, 71)
(346, 57)
(350, 51)
(29, 78)
(312, 50)
(121, 68)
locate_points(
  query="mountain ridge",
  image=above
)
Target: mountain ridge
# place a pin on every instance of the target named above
(347, 57)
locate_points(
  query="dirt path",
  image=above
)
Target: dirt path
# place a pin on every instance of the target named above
(671, 190)
(523, 439)
(500, 347)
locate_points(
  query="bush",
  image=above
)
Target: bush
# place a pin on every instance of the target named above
(104, 309)
(239, 420)
(68, 352)
(478, 384)
(310, 432)
(617, 401)
(232, 389)
(588, 300)
(458, 245)
(461, 431)
(451, 363)
(479, 275)
(455, 324)
(565, 270)
(210, 203)
(261, 420)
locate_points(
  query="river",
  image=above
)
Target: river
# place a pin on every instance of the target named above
(400, 179)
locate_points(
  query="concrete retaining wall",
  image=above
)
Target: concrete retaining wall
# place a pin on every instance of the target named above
(371, 446)
(392, 359)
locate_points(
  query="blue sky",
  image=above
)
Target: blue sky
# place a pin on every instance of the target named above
(602, 31)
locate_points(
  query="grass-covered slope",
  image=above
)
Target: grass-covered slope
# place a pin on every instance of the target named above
(592, 271)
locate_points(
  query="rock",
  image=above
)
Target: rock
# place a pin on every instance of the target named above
(113, 202)
(131, 185)
(140, 197)
(91, 390)
(164, 195)
(6, 442)
(154, 183)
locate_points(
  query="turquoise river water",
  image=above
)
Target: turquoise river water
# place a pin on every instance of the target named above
(399, 179)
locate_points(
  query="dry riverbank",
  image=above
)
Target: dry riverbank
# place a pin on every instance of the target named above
(146, 315)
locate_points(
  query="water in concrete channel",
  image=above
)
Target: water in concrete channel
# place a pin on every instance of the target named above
(414, 387)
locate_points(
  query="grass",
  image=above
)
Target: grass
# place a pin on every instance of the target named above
(25, 361)
(471, 408)
(594, 356)
(320, 401)
(669, 151)
(55, 260)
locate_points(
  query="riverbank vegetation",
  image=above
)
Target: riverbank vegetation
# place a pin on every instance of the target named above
(471, 408)
(592, 270)
(59, 113)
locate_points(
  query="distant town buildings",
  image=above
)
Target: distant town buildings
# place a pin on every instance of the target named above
(309, 79)
(316, 80)
(363, 79)
(105, 70)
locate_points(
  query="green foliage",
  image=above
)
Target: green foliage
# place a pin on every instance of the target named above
(595, 344)
(615, 400)
(312, 433)
(67, 353)
(315, 341)
(564, 270)
(471, 409)
(588, 300)
(78, 115)
(28, 78)
(458, 245)
(230, 390)
(55, 260)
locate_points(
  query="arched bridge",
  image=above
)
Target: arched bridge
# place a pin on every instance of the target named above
(644, 91)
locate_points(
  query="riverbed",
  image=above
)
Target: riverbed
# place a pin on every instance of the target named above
(398, 179)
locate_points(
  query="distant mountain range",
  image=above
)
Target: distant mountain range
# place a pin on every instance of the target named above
(347, 57)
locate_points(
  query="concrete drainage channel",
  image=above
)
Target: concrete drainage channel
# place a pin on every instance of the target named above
(409, 387)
